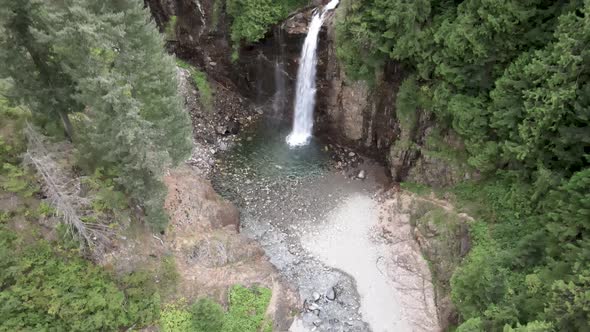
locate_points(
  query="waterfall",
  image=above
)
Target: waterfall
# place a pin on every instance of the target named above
(306, 87)
(278, 102)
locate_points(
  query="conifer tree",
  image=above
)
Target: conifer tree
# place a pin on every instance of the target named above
(113, 68)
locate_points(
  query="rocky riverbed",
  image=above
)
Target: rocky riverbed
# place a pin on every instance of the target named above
(315, 210)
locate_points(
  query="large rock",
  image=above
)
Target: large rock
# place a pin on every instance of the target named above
(442, 236)
(426, 156)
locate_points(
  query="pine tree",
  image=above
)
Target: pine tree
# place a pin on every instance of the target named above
(116, 73)
(28, 58)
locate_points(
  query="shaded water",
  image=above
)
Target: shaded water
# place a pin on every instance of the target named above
(279, 99)
(263, 152)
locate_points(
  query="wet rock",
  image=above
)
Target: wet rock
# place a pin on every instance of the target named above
(223, 146)
(222, 130)
(331, 294)
(233, 127)
(362, 174)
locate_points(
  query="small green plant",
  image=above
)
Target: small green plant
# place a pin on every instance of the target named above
(207, 316)
(4, 217)
(247, 307)
(16, 180)
(416, 188)
(107, 198)
(170, 30)
(168, 276)
(201, 83)
(217, 8)
(45, 210)
(175, 318)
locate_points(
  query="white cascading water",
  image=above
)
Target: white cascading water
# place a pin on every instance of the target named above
(305, 88)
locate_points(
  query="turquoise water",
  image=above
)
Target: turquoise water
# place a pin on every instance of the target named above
(264, 153)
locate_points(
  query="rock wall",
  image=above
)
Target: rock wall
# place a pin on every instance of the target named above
(363, 116)
(443, 238)
(352, 113)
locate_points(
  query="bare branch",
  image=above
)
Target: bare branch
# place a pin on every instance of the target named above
(63, 191)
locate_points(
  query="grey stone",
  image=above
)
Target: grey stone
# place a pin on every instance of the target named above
(316, 296)
(221, 130)
(331, 294)
(233, 127)
(362, 174)
(223, 146)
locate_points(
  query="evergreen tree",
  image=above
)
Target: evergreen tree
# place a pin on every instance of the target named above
(120, 78)
(29, 59)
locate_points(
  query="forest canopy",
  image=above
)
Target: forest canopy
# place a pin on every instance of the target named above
(100, 71)
(512, 78)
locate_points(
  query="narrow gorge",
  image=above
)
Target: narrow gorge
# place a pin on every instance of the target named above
(295, 165)
(319, 199)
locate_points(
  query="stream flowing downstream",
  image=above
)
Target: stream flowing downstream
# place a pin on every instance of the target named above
(318, 223)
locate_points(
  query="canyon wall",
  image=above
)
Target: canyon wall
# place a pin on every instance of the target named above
(353, 113)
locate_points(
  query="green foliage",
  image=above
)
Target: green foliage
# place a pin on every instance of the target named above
(408, 103)
(246, 308)
(535, 326)
(207, 316)
(471, 325)
(217, 8)
(170, 31)
(175, 318)
(416, 188)
(47, 290)
(13, 177)
(201, 83)
(107, 60)
(570, 303)
(107, 199)
(251, 19)
(45, 210)
(512, 79)
(168, 276)
(16, 180)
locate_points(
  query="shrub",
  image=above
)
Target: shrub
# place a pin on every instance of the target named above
(246, 309)
(175, 318)
(207, 316)
(43, 289)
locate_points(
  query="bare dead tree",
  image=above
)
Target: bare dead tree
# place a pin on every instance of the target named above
(63, 192)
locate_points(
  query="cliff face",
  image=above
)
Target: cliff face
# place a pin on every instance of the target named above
(364, 116)
(353, 113)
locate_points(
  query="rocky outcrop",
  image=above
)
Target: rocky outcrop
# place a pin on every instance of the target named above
(364, 116)
(353, 112)
(442, 236)
(203, 241)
